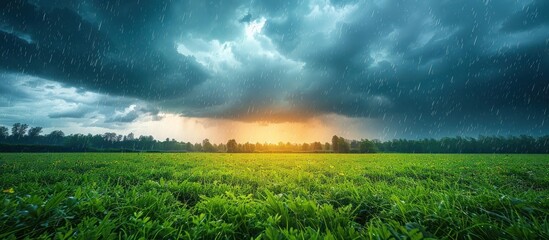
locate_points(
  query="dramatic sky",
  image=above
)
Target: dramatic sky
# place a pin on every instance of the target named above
(285, 70)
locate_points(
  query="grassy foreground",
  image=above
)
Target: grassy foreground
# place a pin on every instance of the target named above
(273, 196)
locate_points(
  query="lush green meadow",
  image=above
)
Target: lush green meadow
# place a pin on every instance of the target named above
(273, 196)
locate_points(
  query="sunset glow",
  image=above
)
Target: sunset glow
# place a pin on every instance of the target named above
(219, 130)
(276, 71)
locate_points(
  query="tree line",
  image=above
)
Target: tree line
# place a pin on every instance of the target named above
(24, 138)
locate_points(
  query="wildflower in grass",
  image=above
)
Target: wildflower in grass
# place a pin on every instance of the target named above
(341, 174)
(331, 166)
(9, 190)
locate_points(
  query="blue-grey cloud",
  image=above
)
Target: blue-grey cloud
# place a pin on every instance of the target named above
(72, 113)
(531, 16)
(47, 103)
(99, 55)
(466, 66)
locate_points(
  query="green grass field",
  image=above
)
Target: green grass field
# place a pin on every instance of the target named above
(274, 196)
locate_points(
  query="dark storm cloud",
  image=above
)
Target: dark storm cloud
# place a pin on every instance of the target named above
(73, 113)
(124, 118)
(65, 47)
(470, 66)
(531, 16)
(445, 62)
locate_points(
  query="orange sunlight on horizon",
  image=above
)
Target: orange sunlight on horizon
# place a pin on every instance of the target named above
(194, 130)
(296, 132)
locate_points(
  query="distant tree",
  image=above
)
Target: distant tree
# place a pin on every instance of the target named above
(305, 147)
(317, 146)
(367, 146)
(146, 143)
(220, 147)
(110, 137)
(4, 132)
(343, 145)
(251, 146)
(18, 130)
(207, 146)
(354, 145)
(335, 144)
(280, 146)
(34, 132)
(232, 146)
(258, 147)
(327, 146)
(55, 137)
(146, 138)
(248, 147)
(189, 147)
(197, 147)
(130, 137)
(56, 134)
(289, 146)
(78, 142)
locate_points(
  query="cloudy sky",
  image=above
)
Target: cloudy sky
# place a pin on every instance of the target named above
(262, 70)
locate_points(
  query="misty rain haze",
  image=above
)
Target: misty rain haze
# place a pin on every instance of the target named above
(274, 119)
(377, 69)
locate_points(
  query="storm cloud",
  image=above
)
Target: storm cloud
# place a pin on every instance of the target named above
(420, 67)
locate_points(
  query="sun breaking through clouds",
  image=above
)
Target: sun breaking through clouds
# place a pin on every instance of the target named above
(392, 68)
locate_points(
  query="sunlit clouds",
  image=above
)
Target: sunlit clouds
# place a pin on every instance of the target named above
(277, 70)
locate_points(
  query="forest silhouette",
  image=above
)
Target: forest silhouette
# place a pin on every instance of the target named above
(23, 138)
